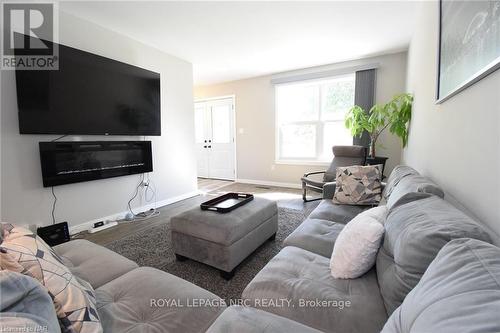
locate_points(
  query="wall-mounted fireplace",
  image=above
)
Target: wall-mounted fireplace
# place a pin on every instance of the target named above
(79, 161)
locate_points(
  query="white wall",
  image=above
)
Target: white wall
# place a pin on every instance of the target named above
(25, 201)
(1, 31)
(255, 115)
(457, 143)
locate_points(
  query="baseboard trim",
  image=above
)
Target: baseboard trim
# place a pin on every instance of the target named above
(89, 224)
(268, 183)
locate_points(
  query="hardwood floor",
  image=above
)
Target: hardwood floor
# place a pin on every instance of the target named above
(207, 185)
(210, 189)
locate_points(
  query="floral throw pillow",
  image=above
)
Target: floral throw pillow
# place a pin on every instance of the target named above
(358, 185)
(74, 299)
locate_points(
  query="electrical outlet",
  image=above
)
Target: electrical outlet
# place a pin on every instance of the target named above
(98, 224)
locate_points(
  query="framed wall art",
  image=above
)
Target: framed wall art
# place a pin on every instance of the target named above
(469, 44)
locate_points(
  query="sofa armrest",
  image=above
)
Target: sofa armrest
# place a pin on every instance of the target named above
(329, 190)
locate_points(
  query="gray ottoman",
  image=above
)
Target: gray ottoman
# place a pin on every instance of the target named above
(224, 240)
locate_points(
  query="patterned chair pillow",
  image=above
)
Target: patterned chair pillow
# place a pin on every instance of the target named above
(9, 263)
(74, 299)
(358, 185)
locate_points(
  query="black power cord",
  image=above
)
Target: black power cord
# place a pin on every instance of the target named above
(53, 194)
(135, 195)
(54, 206)
(152, 212)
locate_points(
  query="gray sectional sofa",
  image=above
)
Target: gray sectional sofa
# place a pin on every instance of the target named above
(420, 223)
(124, 292)
(459, 292)
(390, 297)
(435, 272)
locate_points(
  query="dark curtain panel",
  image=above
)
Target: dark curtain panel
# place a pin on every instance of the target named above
(364, 96)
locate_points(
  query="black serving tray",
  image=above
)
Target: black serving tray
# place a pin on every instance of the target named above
(227, 202)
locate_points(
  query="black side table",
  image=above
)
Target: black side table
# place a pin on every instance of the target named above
(377, 160)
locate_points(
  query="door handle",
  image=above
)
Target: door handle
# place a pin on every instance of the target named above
(204, 146)
(209, 146)
(209, 140)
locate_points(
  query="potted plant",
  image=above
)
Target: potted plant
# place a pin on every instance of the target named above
(396, 115)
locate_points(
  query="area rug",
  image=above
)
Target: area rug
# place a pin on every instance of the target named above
(152, 247)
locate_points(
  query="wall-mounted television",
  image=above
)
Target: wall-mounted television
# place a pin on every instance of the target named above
(89, 95)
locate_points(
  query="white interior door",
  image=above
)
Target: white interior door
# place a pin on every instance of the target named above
(215, 138)
(201, 137)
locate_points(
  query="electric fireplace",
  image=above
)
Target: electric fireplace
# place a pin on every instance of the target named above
(79, 161)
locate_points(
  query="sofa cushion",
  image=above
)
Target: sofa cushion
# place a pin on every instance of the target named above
(92, 262)
(73, 298)
(238, 319)
(327, 210)
(459, 292)
(25, 305)
(304, 279)
(358, 185)
(314, 235)
(149, 300)
(413, 185)
(398, 173)
(414, 234)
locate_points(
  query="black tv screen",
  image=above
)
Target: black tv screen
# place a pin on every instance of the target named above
(89, 94)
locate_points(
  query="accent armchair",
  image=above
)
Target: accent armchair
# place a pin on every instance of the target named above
(342, 156)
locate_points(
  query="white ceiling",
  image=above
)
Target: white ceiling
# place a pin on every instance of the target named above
(233, 40)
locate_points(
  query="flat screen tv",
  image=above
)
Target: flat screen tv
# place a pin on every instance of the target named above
(88, 94)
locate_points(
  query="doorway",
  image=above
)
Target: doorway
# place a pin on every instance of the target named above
(215, 138)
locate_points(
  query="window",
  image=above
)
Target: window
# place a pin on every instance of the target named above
(310, 118)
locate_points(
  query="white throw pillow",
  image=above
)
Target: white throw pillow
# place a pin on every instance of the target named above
(356, 247)
(378, 213)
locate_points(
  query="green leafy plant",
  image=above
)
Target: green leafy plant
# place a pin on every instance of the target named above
(395, 115)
